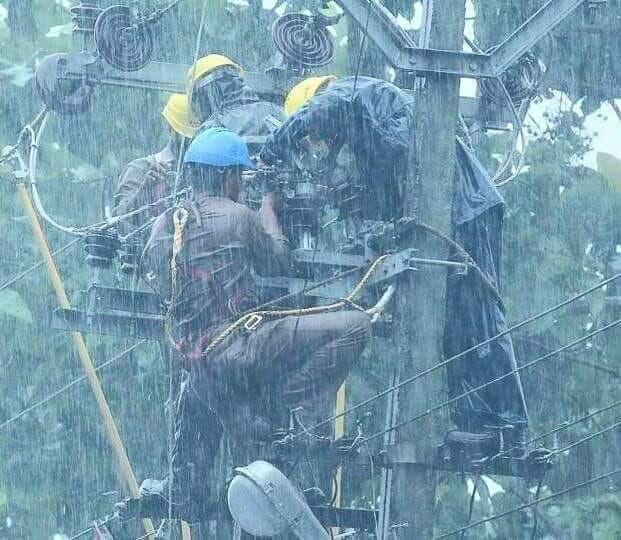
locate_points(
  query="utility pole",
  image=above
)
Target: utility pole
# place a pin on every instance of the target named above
(420, 303)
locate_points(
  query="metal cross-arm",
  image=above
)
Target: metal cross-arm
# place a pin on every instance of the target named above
(399, 49)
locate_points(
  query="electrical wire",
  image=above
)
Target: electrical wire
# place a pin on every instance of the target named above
(471, 503)
(176, 195)
(588, 438)
(483, 343)
(537, 500)
(63, 389)
(35, 138)
(518, 128)
(199, 39)
(531, 504)
(562, 427)
(498, 379)
(361, 49)
(373, 494)
(24, 273)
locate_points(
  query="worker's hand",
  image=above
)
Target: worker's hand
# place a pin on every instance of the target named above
(159, 174)
(273, 201)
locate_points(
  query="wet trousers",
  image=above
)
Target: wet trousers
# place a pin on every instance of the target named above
(283, 364)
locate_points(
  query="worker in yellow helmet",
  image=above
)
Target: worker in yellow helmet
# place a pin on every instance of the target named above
(304, 91)
(354, 135)
(220, 97)
(148, 179)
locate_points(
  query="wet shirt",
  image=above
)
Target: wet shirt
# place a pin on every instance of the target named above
(224, 242)
(135, 188)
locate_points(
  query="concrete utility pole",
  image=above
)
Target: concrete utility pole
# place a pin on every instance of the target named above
(420, 302)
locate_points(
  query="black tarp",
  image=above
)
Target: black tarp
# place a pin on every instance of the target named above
(472, 313)
(374, 118)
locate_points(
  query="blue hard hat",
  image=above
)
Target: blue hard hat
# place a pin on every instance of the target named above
(218, 147)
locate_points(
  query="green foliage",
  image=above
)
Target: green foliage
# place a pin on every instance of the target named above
(12, 304)
(562, 227)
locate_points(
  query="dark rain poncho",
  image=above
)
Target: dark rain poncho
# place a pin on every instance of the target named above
(373, 117)
(229, 103)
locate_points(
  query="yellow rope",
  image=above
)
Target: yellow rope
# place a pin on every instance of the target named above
(180, 220)
(251, 320)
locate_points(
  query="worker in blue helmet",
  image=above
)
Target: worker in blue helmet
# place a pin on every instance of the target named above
(249, 383)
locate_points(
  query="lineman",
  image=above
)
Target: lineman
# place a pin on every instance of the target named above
(372, 120)
(221, 98)
(148, 179)
(281, 364)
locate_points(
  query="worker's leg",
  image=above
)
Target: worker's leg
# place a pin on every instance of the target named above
(197, 434)
(196, 438)
(302, 359)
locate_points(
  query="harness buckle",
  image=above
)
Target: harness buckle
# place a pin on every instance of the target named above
(253, 322)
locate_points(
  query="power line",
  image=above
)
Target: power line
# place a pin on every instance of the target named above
(497, 379)
(448, 361)
(588, 438)
(559, 428)
(24, 273)
(63, 389)
(530, 504)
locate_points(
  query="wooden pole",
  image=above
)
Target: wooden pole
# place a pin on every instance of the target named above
(420, 304)
(112, 433)
(339, 431)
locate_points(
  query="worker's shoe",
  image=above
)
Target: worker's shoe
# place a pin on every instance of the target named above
(153, 502)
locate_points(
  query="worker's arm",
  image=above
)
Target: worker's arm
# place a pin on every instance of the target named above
(142, 182)
(268, 245)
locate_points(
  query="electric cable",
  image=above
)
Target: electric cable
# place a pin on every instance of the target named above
(35, 136)
(24, 273)
(176, 195)
(199, 39)
(518, 128)
(373, 494)
(361, 49)
(588, 438)
(531, 504)
(71, 384)
(527, 365)
(475, 485)
(540, 484)
(465, 352)
(562, 427)
(33, 153)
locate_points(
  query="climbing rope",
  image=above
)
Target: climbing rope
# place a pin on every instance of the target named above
(465, 256)
(251, 320)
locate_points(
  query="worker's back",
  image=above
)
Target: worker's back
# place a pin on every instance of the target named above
(223, 242)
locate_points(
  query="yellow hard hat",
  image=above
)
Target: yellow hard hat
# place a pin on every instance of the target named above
(208, 64)
(177, 114)
(305, 90)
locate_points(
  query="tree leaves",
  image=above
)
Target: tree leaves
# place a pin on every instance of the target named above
(14, 305)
